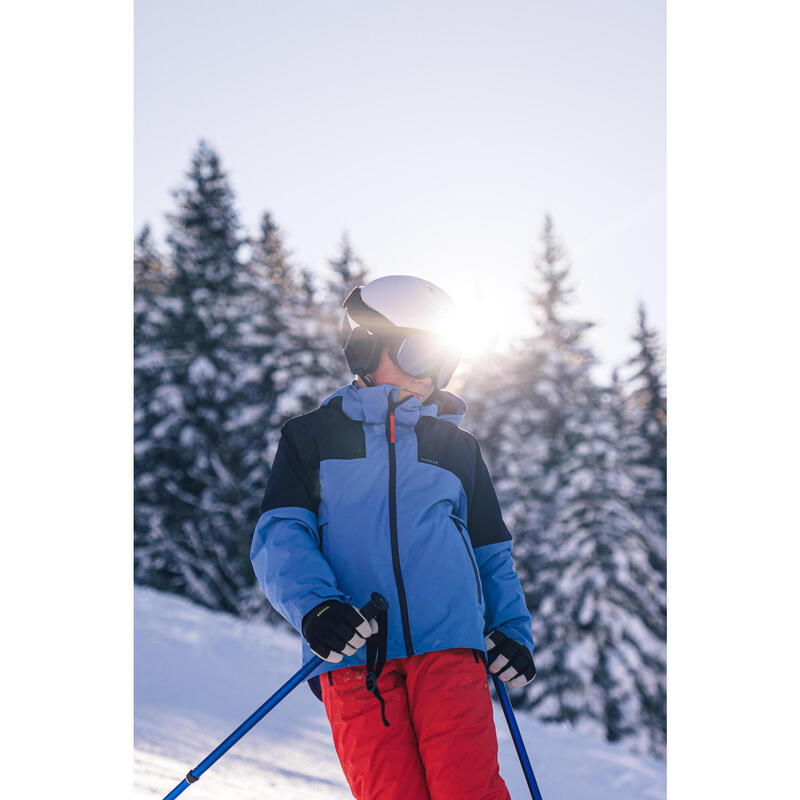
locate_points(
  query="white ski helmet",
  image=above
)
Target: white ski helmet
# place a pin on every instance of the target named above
(408, 315)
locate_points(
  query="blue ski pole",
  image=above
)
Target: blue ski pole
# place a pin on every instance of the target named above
(377, 603)
(517, 737)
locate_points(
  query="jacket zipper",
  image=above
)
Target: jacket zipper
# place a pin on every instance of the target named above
(463, 538)
(398, 574)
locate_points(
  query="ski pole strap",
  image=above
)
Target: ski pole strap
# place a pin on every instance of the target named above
(376, 659)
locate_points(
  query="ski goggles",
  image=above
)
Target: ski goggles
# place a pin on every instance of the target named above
(425, 354)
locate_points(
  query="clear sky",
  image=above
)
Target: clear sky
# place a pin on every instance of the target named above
(438, 134)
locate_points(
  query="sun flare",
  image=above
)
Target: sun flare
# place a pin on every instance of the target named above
(478, 326)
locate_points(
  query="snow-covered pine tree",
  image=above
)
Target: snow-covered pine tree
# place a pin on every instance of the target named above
(271, 303)
(317, 366)
(150, 272)
(346, 270)
(596, 596)
(150, 281)
(521, 407)
(491, 390)
(308, 287)
(292, 358)
(559, 461)
(522, 402)
(647, 419)
(150, 284)
(601, 643)
(269, 307)
(188, 538)
(647, 392)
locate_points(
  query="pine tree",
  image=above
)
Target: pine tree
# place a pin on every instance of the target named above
(647, 415)
(535, 390)
(648, 400)
(270, 312)
(646, 430)
(150, 276)
(645, 425)
(271, 309)
(348, 272)
(602, 643)
(186, 539)
(560, 457)
(150, 281)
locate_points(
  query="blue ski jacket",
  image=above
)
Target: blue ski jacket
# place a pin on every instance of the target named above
(369, 495)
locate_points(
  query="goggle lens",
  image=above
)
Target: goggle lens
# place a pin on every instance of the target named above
(421, 355)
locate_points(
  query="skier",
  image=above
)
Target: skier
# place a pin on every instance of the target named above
(379, 489)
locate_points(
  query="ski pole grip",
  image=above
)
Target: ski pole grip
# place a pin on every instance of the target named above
(376, 604)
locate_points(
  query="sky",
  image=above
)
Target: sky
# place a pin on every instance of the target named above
(437, 134)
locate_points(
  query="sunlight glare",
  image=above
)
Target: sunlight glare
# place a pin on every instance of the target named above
(478, 326)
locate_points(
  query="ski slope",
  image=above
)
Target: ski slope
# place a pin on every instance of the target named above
(198, 674)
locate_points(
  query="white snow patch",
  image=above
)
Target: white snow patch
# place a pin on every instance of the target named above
(201, 370)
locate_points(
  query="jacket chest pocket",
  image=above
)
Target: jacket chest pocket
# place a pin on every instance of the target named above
(462, 534)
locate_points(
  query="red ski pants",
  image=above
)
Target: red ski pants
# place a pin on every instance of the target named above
(441, 742)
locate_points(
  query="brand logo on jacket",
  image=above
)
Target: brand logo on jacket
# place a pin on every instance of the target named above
(429, 461)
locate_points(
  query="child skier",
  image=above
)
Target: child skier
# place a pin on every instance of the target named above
(380, 490)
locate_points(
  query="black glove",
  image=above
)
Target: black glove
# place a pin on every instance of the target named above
(334, 629)
(513, 658)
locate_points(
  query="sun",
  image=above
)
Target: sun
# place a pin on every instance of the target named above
(478, 326)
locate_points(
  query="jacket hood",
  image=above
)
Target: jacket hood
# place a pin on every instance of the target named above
(371, 404)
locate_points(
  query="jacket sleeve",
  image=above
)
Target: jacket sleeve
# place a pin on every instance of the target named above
(505, 608)
(286, 552)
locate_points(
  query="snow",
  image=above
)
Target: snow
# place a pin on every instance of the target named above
(201, 370)
(198, 674)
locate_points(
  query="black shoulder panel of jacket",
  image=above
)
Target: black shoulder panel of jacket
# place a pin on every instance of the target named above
(305, 441)
(447, 446)
(485, 517)
(337, 435)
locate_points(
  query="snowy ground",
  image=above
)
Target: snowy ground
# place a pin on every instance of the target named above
(199, 674)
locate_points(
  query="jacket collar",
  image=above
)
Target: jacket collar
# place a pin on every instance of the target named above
(371, 404)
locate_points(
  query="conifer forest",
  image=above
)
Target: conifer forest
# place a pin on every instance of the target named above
(231, 339)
